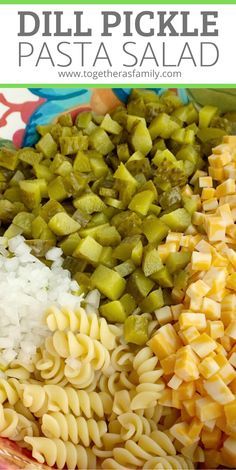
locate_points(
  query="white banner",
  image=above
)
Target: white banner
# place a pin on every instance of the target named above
(117, 44)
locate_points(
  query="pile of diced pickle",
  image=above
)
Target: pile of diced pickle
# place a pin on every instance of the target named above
(107, 190)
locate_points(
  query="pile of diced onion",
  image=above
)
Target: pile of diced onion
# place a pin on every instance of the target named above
(27, 288)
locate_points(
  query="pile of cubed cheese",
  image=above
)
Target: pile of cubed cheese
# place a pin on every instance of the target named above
(196, 341)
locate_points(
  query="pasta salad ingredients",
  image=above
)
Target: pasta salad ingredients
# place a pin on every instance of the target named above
(107, 190)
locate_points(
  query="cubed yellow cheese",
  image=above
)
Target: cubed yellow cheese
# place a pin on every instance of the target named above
(207, 409)
(198, 289)
(219, 160)
(189, 334)
(230, 414)
(164, 315)
(228, 452)
(165, 341)
(231, 282)
(216, 388)
(215, 329)
(201, 261)
(211, 308)
(186, 365)
(195, 428)
(168, 364)
(232, 359)
(187, 319)
(224, 211)
(180, 431)
(226, 188)
(207, 193)
(205, 182)
(174, 382)
(216, 173)
(186, 390)
(208, 367)
(203, 345)
(210, 205)
(211, 439)
(215, 228)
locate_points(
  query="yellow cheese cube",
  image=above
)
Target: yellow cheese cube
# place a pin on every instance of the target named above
(229, 171)
(165, 249)
(221, 148)
(212, 458)
(231, 229)
(218, 390)
(211, 439)
(180, 431)
(198, 288)
(189, 334)
(208, 367)
(186, 390)
(219, 160)
(198, 174)
(201, 261)
(231, 200)
(176, 402)
(226, 342)
(175, 237)
(228, 452)
(203, 246)
(176, 310)
(168, 364)
(207, 193)
(211, 308)
(164, 315)
(230, 414)
(165, 341)
(207, 409)
(215, 329)
(203, 345)
(190, 406)
(216, 173)
(227, 373)
(226, 188)
(205, 182)
(230, 140)
(232, 359)
(210, 205)
(195, 304)
(231, 330)
(166, 398)
(224, 211)
(231, 282)
(198, 218)
(195, 428)
(174, 382)
(186, 364)
(215, 228)
(189, 451)
(209, 425)
(187, 319)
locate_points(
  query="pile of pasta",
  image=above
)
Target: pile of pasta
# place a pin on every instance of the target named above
(89, 400)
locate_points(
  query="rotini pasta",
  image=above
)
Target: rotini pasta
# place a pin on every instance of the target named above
(122, 358)
(19, 370)
(10, 390)
(51, 368)
(144, 364)
(134, 426)
(176, 462)
(62, 454)
(68, 428)
(81, 376)
(81, 346)
(15, 426)
(79, 321)
(137, 453)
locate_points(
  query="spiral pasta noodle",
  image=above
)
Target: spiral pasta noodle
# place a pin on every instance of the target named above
(10, 390)
(136, 453)
(78, 321)
(144, 364)
(80, 376)
(177, 462)
(122, 358)
(134, 426)
(67, 427)
(81, 346)
(14, 425)
(62, 454)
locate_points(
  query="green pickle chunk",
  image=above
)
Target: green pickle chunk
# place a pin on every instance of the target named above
(136, 330)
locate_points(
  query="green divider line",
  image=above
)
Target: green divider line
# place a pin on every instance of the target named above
(117, 85)
(117, 2)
